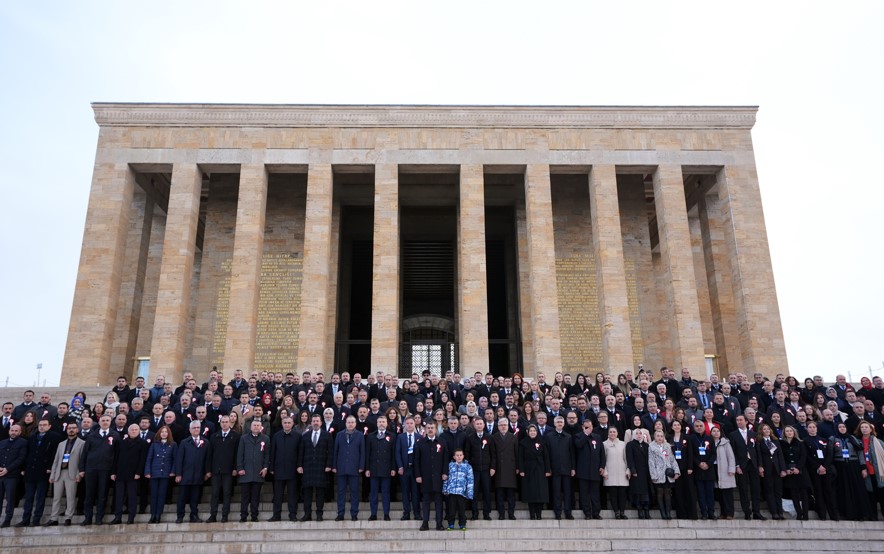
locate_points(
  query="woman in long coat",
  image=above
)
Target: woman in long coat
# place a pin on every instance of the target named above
(683, 494)
(850, 491)
(616, 473)
(640, 479)
(535, 470)
(727, 471)
(797, 480)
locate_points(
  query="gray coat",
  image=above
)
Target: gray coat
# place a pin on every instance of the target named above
(252, 456)
(660, 457)
(725, 463)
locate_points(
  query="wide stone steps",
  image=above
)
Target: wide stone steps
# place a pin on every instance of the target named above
(686, 537)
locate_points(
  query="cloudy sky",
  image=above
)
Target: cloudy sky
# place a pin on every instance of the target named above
(815, 70)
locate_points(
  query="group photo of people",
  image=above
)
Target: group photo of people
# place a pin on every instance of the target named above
(447, 449)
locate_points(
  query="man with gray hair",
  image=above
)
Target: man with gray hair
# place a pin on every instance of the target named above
(190, 472)
(252, 462)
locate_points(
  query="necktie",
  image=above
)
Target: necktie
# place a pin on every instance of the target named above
(156, 422)
(380, 436)
(315, 438)
(103, 434)
(5, 421)
(223, 435)
(143, 435)
(410, 441)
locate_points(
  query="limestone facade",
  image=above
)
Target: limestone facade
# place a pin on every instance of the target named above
(215, 237)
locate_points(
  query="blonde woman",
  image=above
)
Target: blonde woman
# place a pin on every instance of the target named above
(664, 472)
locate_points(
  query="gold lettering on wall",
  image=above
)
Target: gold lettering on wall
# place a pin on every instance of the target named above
(579, 314)
(279, 311)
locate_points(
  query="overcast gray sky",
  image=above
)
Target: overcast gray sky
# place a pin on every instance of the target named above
(815, 70)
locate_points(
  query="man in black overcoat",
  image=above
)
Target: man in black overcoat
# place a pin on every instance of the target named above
(431, 459)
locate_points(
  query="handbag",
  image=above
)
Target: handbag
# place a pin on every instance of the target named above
(670, 473)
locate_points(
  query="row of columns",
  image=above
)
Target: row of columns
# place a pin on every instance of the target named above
(91, 337)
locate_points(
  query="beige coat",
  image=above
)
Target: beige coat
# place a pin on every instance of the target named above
(73, 463)
(726, 464)
(615, 464)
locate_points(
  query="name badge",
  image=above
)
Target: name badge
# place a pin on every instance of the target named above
(66, 458)
(867, 457)
(845, 453)
(678, 454)
(702, 451)
(819, 454)
(411, 450)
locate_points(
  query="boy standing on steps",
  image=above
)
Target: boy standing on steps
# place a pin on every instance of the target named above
(459, 489)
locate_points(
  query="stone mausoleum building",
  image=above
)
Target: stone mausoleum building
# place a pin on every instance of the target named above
(404, 238)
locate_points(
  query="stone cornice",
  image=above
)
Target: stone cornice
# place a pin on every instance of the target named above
(458, 117)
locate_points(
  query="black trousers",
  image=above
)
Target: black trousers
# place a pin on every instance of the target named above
(143, 490)
(482, 486)
(824, 495)
(726, 499)
(561, 493)
(222, 490)
(127, 490)
(773, 492)
(250, 496)
(309, 492)
(436, 499)
(96, 493)
(280, 488)
(617, 498)
(457, 507)
(8, 489)
(190, 494)
(749, 486)
(590, 500)
(506, 501)
(35, 500)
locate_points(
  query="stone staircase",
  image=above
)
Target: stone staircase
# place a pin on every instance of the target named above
(487, 537)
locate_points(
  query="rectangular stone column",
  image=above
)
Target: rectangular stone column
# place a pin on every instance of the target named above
(677, 260)
(542, 270)
(526, 322)
(315, 286)
(607, 242)
(472, 320)
(755, 295)
(96, 295)
(245, 272)
(132, 283)
(173, 294)
(385, 271)
(721, 292)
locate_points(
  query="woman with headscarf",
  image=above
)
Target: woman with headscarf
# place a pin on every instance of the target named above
(535, 471)
(851, 499)
(664, 472)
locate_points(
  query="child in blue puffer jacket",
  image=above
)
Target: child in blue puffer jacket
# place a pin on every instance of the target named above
(458, 488)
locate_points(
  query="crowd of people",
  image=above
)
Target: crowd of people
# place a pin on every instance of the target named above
(451, 445)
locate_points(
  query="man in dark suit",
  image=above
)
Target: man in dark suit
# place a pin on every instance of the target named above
(561, 459)
(284, 448)
(127, 473)
(99, 459)
(743, 442)
(314, 464)
(431, 459)
(380, 467)
(221, 463)
(27, 405)
(41, 450)
(191, 472)
(6, 420)
(405, 448)
(252, 462)
(13, 452)
(348, 463)
(480, 454)
(589, 466)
